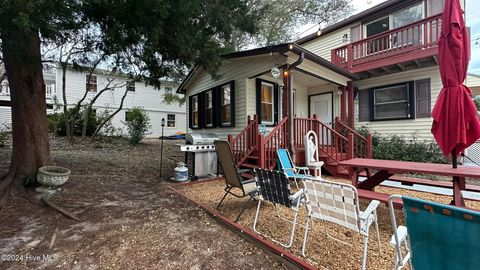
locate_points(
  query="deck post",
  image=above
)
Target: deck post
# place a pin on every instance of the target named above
(369, 146)
(350, 55)
(230, 140)
(351, 149)
(261, 151)
(343, 105)
(351, 108)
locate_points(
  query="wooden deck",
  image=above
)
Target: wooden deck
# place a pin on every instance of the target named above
(388, 168)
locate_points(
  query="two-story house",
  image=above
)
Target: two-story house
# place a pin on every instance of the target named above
(377, 69)
(138, 94)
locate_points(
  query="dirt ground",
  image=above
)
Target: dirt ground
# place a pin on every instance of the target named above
(322, 251)
(130, 219)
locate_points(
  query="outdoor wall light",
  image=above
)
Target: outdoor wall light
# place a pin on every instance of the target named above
(163, 122)
(345, 38)
(285, 73)
(319, 32)
(290, 46)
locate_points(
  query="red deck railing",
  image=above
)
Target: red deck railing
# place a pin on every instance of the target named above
(362, 144)
(245, 142)
(278, 138)
(417, 36)
(330, 142)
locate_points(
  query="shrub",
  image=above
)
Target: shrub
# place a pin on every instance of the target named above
(5, 131)
(56, 122)
(398, 148)
(138, 124)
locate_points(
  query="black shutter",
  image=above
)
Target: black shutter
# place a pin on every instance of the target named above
(411, 100)
(275, 104)
(232, 103)
(190, 112)
(258, 88)
(215, 107)
(201, 110)
(363, 105)
(423, 98)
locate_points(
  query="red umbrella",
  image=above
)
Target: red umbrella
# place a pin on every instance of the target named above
(455, 122)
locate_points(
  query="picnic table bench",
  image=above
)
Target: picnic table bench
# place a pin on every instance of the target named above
(387, 168)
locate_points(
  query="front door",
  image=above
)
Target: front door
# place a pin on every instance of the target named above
(322, 106)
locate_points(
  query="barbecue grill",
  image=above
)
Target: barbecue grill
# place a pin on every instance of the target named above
(202, 152)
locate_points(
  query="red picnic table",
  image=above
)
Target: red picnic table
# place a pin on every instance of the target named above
(387, 168)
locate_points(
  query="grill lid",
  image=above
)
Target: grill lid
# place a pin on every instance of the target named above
(200, 138)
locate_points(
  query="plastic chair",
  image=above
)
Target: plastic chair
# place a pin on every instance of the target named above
(338, 203)
(312, 160)
(435, 236)
(274, 188)
(232, 175)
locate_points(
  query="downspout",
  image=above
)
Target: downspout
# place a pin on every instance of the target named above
(290, 101)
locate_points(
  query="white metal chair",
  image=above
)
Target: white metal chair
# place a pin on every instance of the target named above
(274, 187)
(312, 160)
(338, 203)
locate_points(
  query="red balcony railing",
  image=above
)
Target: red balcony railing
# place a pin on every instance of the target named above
(414, 37)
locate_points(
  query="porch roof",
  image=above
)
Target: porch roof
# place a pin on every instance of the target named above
(285, 49)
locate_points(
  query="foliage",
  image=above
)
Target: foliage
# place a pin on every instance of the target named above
(138, 124)
(170, 98)
(282, 17)
(399, 148)
(56, 122)
(476, 100)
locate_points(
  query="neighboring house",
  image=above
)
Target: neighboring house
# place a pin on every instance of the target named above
(138, 95)
(377, 69)
(473, 82)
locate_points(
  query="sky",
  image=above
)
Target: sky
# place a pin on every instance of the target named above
(472, 11)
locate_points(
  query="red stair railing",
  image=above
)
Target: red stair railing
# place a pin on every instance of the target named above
(278, 138)
(362, 144)
(245, 143)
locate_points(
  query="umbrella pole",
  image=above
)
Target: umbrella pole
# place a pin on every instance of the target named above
(454, 158)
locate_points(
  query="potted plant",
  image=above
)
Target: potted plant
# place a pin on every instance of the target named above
(52, 176)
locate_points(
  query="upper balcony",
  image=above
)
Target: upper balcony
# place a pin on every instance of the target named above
(413, 45)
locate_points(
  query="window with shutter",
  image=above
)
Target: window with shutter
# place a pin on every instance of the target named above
(363, 106)
(423, 98)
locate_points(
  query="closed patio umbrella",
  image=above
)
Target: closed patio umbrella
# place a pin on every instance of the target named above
(455, 122)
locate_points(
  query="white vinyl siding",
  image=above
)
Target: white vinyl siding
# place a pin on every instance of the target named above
(419, 127)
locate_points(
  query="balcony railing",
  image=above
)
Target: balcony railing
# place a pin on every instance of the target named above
(414, 37)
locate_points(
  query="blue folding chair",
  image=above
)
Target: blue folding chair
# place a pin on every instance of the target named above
(287, 166)
(436, 236)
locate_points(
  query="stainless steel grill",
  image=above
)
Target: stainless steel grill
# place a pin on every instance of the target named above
(203, 155)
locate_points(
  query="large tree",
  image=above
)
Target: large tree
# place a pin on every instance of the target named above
(157, 36)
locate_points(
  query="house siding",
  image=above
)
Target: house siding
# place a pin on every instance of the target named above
(420, 127)
(323, 45)
(238, 70)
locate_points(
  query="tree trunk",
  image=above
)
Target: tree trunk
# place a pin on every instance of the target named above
(99, 127)
(22, 59)
(88, 110)
(64, 96)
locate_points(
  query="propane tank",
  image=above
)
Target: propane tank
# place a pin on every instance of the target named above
(181, 172)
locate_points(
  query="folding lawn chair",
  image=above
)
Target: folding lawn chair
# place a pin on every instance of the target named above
(287, 166)
(435, 236)
(233, 176)
(274, 188)
(338, 203)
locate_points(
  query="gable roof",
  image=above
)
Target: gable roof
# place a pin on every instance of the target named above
(281, 49)
(367, 15)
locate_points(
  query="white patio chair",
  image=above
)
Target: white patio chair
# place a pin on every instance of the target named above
(312, 160)
(274, 188)
(338, 203)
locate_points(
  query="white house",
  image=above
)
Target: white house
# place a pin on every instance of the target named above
(138, 95)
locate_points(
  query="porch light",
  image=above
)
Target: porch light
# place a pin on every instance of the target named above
(345, 38)
(285, 73)
(290, 46)
(319, 32)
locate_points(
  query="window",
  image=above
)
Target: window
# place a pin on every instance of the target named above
(91, 82)
(391, 102)
(170, 120)
(50, 89)
(434, 7)
(267, 103)
(168, 90)
(195, 114)
(403, 17)
(225, 104)
(131, 86)
(209, 108)
(377, 27)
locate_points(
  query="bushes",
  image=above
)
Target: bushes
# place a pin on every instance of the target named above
(138, 124)
(5, 131)
(56, 122)
(398, 148)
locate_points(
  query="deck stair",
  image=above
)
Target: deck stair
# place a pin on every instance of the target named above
(251, 149)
